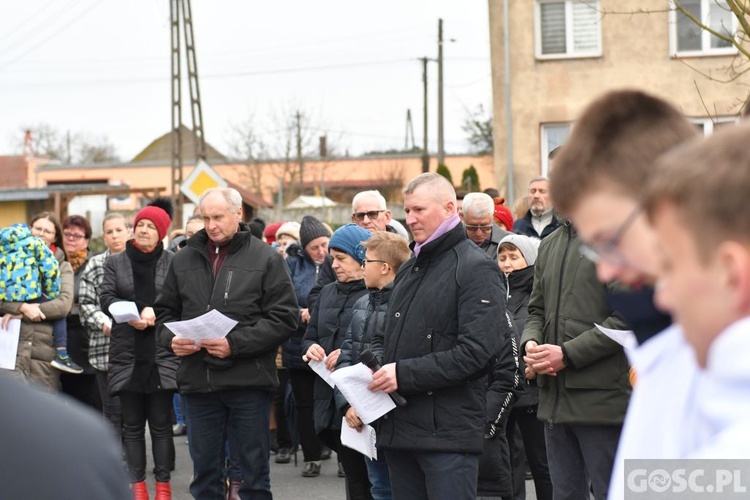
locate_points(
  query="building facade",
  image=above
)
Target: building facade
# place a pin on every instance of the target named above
(565, 53)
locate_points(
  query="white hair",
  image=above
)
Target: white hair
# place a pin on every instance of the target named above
(478, 204)
(230, 195)
(374, 194)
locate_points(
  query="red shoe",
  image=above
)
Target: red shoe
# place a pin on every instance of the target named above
(140, 492)
(163, 491)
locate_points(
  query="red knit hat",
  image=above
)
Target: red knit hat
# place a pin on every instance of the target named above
(270, 233)
(504, 216)
(159, 212)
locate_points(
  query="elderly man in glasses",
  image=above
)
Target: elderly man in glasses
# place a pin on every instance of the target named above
(480, 228)
(369, 211)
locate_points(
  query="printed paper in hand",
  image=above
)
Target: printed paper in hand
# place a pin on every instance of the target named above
(9, 344)
(319, 367)
(210, 326)
(363, 441)
(352, 381)
(124, 311)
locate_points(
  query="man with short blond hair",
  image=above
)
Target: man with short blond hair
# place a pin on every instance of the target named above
(440, 335)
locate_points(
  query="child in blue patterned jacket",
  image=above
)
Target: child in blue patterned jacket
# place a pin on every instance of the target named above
(29, 272)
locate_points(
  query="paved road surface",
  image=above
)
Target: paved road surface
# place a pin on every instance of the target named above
(287, 482)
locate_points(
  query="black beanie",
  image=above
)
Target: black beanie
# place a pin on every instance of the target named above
(311, 228)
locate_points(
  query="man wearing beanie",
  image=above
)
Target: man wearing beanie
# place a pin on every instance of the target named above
(329, 321)
(478, 220)
(223, 267)
(445, 325)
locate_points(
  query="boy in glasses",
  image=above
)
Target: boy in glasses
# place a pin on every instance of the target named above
(597, 181)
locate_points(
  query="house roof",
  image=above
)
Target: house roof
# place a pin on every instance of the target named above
(311, 202)
(249, 198)
(12, 172)
(160, 150)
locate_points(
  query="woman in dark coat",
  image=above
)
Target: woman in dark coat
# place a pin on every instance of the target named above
(142, 373)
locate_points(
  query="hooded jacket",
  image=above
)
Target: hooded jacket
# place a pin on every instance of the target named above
(566, 301)
(253, 288)
(28, 268)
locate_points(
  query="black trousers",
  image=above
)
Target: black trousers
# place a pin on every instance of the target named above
(110, 404)
(532, 434)
(355, 467)
(283, 436)
(156, 408)
(303, 382)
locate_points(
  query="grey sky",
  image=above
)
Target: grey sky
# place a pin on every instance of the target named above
(102, 67)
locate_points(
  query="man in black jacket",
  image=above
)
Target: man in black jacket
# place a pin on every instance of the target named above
(540, 220)
(444, 326)
(228, 383)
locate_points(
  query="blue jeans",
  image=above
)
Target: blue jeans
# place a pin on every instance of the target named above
(242, 416)
(417, 475)
(380, 482)
(177, 404)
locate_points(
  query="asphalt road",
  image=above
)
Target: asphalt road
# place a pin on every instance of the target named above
(287, 482)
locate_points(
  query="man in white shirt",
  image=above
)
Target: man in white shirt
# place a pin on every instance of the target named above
(596, 181)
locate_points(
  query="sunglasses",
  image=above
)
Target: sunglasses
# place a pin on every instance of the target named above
(372, 215)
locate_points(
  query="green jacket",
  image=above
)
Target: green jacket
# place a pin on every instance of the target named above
(566, 301)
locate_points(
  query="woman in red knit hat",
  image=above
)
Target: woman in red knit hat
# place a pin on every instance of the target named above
(142, 373)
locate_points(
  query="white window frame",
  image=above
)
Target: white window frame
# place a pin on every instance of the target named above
(706, 49)
(709, 124)
(594, 4)
(544, 141)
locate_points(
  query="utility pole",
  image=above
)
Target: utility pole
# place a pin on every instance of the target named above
(425, 151)
(300, 159)
(174, 12)
(508, 101)
(195, 92)
(409, 132)
(441, 150)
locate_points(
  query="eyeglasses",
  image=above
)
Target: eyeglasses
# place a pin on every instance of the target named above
(48, 232)
(608, 250)
(474, 229)
(72, 236)
(367, 261)
(372, 215)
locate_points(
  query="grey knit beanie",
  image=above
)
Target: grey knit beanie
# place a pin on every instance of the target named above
(311, 228)
(528, 247)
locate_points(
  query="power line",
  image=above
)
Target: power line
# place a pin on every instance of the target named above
(28, 20)
(42, 25)
(53, 35)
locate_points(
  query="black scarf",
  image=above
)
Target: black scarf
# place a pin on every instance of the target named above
(145, 375)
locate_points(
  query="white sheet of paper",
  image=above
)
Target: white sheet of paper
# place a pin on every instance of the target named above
(210, 326)
(352, 381)
(363, 442)
(626, 338)
(124, 311)
(319, 367)
(9, 344)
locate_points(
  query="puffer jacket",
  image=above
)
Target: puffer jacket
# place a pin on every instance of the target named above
(368, 315)
(28, 268)
(252, 287)
(36, 348)
(566, 301)
(520, 283)
(329, 321)
(118, 285)
(303, 272)
(442, 331)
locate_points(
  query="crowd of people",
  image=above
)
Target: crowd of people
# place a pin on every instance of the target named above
(492, 330)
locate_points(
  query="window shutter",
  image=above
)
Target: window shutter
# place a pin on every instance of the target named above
(586, 28)
(553, 27)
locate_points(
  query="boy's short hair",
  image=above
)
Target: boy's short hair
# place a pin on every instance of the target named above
(614, 143)
(390, 247)
(707, 181)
